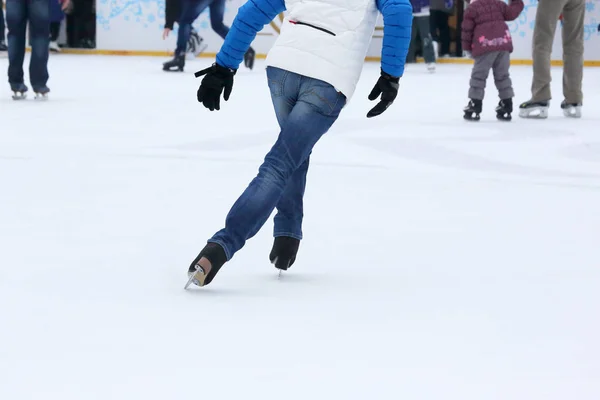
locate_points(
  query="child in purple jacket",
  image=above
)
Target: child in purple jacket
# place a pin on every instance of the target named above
(486, 36)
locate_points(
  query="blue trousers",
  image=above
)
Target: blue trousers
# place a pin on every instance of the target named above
(305, 108)
(18, 14)
(2, 27)
(190, 10)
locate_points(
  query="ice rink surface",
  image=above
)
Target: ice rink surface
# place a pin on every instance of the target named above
(442, 260)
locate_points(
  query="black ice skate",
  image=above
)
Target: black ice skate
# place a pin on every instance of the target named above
(176, 64)
(41, 93)
(504, 109)
(249, 58)
(571, 110)
(530, 109)
(283, 253)
(472, 110)
(196, 274)
(19, 91)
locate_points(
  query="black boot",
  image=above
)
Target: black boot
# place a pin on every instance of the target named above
(283, 253)
(504, 109)
(472, 110)
(249, 58)
(176, 64)
(214, 253)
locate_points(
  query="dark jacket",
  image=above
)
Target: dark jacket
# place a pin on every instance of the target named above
(418, 5)
(484, 29)
(172, 12)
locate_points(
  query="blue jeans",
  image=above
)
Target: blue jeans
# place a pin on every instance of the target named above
(37, 13)
(305, 108)
(190, 10)
(2, 27)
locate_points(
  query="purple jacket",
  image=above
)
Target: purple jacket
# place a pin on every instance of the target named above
(418, 5)
(484, 29)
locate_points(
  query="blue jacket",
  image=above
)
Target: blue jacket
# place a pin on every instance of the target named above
(255, 14)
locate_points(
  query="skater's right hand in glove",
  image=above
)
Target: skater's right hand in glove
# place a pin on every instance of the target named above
(387, 87)
(217, 80)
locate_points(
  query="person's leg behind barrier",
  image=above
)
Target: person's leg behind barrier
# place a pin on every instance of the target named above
(317, 107)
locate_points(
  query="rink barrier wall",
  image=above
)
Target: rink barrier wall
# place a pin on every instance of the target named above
(555, 63)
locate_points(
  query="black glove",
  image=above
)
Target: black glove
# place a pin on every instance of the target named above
(217, 78)
(387, 87)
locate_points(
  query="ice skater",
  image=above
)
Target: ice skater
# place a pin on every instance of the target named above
(486, 36)
(312, 72)
(422, 28)
(37, 14)
(190, 10)
(546, 19)
(195, 44)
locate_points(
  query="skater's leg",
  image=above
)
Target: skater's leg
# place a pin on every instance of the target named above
(2, 27)
(190, 10)
(543, 35)
(317, 108)
(479, 75)
(502, 79)
(425, 34)
(288, 220)
(16, 21)
(39, 30)
(572, 39)
(217, 11)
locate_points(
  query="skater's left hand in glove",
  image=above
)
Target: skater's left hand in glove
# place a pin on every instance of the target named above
(217, 80)
(387, 87)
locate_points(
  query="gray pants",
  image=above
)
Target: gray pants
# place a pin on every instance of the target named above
(422, 27)
(499, 62)
(546, 19)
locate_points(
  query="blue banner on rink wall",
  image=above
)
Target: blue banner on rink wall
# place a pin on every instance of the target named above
(137, 25)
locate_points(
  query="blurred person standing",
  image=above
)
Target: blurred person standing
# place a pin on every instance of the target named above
(440, 29)
(190, 10)
(422, 27)
(195, 44)
(546, 19)
(18, 14)
(57, 14)
(2, 28)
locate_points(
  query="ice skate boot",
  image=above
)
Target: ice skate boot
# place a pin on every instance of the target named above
(41, 93)
(431, 68)
(504, 110)
(197, 275)
(472, 110)
(54, 47)
(249, 58)
(571, 110)
(195, 45)
(3, 46)
(19, 91)
(283, 253)
(531, 109)
(176, 64)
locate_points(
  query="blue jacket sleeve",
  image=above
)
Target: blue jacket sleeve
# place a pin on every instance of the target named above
(397, 28)
(250, 19)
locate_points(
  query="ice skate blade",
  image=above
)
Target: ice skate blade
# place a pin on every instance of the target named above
(534, 112)
(19, 96)
(572, 112)
(41, 97)
(197, 278)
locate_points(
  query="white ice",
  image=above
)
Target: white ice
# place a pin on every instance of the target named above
(442, 260)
